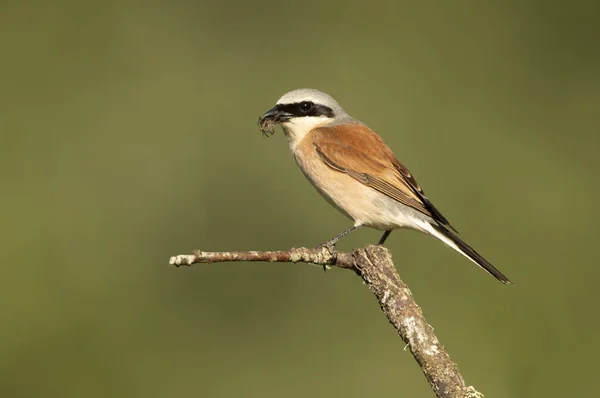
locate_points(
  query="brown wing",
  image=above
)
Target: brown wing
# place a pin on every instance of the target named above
(356, 150)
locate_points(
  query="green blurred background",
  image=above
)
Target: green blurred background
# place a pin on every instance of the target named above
(128, 134)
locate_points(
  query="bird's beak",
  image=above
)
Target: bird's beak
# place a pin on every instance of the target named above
(271, 118)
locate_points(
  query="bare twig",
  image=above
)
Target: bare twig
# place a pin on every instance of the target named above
(374, 265)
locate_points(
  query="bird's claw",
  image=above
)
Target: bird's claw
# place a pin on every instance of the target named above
(330, 246)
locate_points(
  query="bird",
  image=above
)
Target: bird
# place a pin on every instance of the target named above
(355, 171)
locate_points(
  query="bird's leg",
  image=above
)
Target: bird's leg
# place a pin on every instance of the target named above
(330, 244)
(384, 237)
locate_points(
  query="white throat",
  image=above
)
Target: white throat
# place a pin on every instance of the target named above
(297, 128)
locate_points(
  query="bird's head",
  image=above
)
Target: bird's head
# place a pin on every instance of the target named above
(299, 111)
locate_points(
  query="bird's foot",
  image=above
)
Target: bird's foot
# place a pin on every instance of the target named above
(330, 246)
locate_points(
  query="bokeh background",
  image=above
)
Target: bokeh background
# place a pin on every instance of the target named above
(128, 134)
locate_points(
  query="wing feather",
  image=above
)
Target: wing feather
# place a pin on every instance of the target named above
(356, 150)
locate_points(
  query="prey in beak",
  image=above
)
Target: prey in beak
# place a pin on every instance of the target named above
(273, 117)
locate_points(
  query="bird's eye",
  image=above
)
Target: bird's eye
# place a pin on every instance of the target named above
(306, 106)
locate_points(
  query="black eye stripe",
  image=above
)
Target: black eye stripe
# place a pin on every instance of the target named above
(296, 109)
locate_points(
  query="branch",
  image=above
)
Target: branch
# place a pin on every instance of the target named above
(374, 265)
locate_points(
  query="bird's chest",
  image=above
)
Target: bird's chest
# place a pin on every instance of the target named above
(318, 173)
(338, 188)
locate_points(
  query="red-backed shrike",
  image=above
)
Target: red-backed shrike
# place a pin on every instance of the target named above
(357, 172)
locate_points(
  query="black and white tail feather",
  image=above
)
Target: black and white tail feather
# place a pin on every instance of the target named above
(454, 241)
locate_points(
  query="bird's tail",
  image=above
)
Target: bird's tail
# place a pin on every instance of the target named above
(455, 242)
